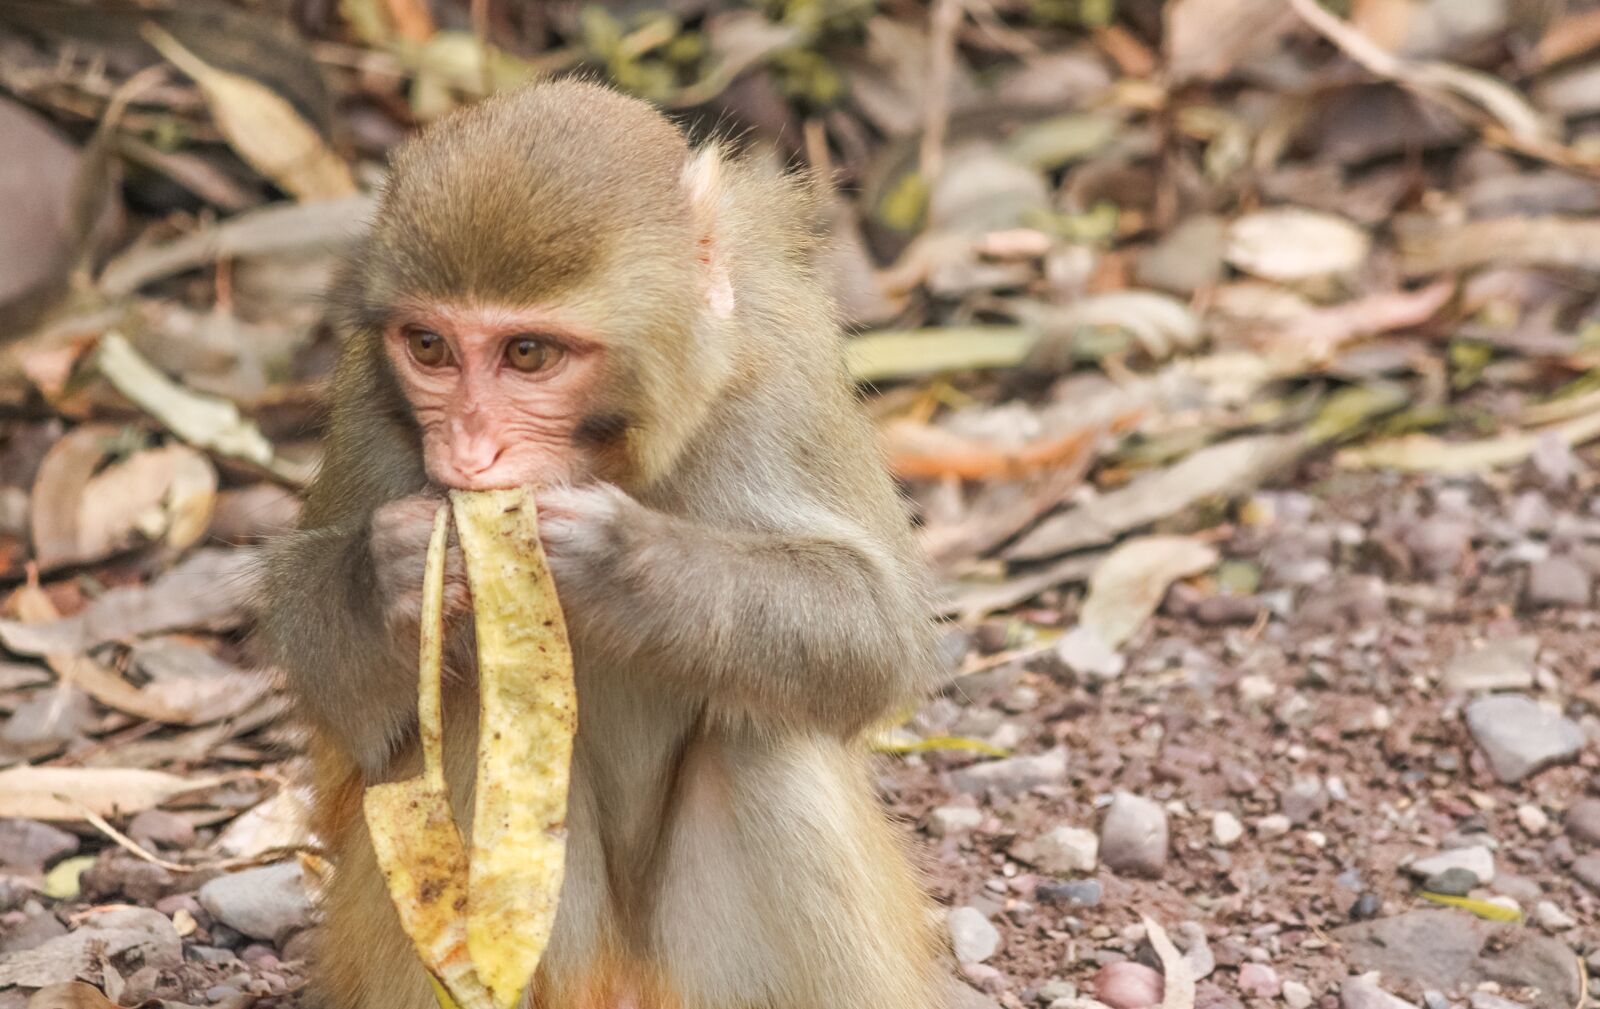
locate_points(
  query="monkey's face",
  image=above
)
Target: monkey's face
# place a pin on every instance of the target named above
(498, 394)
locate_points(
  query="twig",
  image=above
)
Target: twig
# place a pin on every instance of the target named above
(946, 19)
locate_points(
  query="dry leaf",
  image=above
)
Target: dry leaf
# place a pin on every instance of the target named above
(1178, 992)
(73, 995)
(265, 130)
(1206, 39)
(278, 824)
(206, 421)
(1129, 584)
(1289, 244)
(1424, 453)
(1566, 242)
(1227, 468)
(63, 793)
(908, 353)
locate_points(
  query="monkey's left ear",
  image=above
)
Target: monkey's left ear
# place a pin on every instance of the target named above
(702, 176)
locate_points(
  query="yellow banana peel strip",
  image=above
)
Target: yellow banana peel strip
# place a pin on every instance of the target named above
(527, 718)
(480, 921)
(418, 845)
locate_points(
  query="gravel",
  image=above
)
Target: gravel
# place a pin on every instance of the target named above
(1520, 736)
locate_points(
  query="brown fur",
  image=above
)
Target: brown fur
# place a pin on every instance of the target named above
(750, 603)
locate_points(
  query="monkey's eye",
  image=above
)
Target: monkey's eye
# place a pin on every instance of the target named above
(527, 353)
(427, 348)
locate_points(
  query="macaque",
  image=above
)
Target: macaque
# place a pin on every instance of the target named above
(558, 292)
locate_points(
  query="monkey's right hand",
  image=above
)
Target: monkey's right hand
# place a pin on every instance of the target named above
(400, 534)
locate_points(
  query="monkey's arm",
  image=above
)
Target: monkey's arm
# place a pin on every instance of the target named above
(323, 624)
(819, 626)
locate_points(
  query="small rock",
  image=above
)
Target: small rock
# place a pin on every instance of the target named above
(1519, 736)
(27, 846)
(1013, 775)
(1133, 836)
(1477, 860)
(1363, 993)
(162, 829)
(1439, 544)
(1063, 850)
(1259, 980)
(1551, 918)
(1085, 653)
(1296, 995)
(1498, 664)
(1587, 871)
(1303, 800)
(1366, 907)
(34, 930)
(1128, 985)
(1226, 829)
(1056, 988)
(950, 821)
(1555, 461)
(1072, 893)
(972, 937)
(1533, 819)
(1558, 581)
(1432, 998)
(1487, 1000)
(262, 903)
(1273, 825)
(1455, 882)
(1219, 611)
(1583, 821)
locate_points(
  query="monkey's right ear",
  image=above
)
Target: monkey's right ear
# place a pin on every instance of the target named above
(702, 177)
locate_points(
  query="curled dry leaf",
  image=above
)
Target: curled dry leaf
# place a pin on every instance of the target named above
(1129, 584)
(1424, 453)
(1290, 244)
(908, 353)
(263, 127)
(63, 793)
(1226, 468)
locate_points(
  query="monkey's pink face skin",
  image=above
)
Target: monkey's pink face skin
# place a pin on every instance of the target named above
(498, 392)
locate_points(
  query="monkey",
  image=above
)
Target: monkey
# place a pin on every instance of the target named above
(557, 291)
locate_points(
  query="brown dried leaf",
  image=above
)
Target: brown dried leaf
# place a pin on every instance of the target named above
(1206, 39)
(1129, 584)
(63, 793)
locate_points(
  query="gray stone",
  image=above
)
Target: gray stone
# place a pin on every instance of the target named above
(971, 936)
(950, 821)
(27, 846)
(1133, 836)
(1485, 1000)
(1477, 860)
(262, 903)
(132, 933)
(1296, 995)
(1519, 736)
(1500, 664)
(1062, 851)
(1583, 821)
(1303, 800)
(1187, 258)
(1085, 653)
(1439, 544)
(1364, 993)
(1558, 581)
(1071, 893)
(1013, 775)
(1226, 829)
(34, 930)
(1586, 870)
(1449, 950)
(1452, 882)
(1551, 918)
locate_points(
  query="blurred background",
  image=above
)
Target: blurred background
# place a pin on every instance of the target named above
(1240, 360)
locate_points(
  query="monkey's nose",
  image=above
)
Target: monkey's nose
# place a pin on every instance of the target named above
(475, 459)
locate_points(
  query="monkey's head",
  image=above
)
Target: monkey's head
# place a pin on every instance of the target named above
(545, 286)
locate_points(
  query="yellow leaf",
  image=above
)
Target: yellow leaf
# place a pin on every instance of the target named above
(527, 718)
(963, 743)
(1482, 908)
(63, 880)
(263, 128)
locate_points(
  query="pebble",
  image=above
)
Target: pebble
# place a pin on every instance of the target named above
(1296, 995)
(1363, 993)
(1273, 825)
(262, 903)
(1488, 1000)
(973, 938)
(1128, 985)
(1226, 829)
(1133, 836)
(1583, 821)
(1456, 882)
(1063, 851)
(1477, 860)
(1498, 664)
(1259, 980)
(1551, 918)
(1085, 653)
(1432, 998)
(1303, 800)
(162, 829)
(1073, 893)
(1587, 871)
(1439, 544)
(949, 821)
(1533, 819)
(28, 845)
(1366, 907)
(1519, 735)
(1013, 775)
(1558, 581)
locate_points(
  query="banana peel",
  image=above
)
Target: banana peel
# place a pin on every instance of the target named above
(480, 918)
